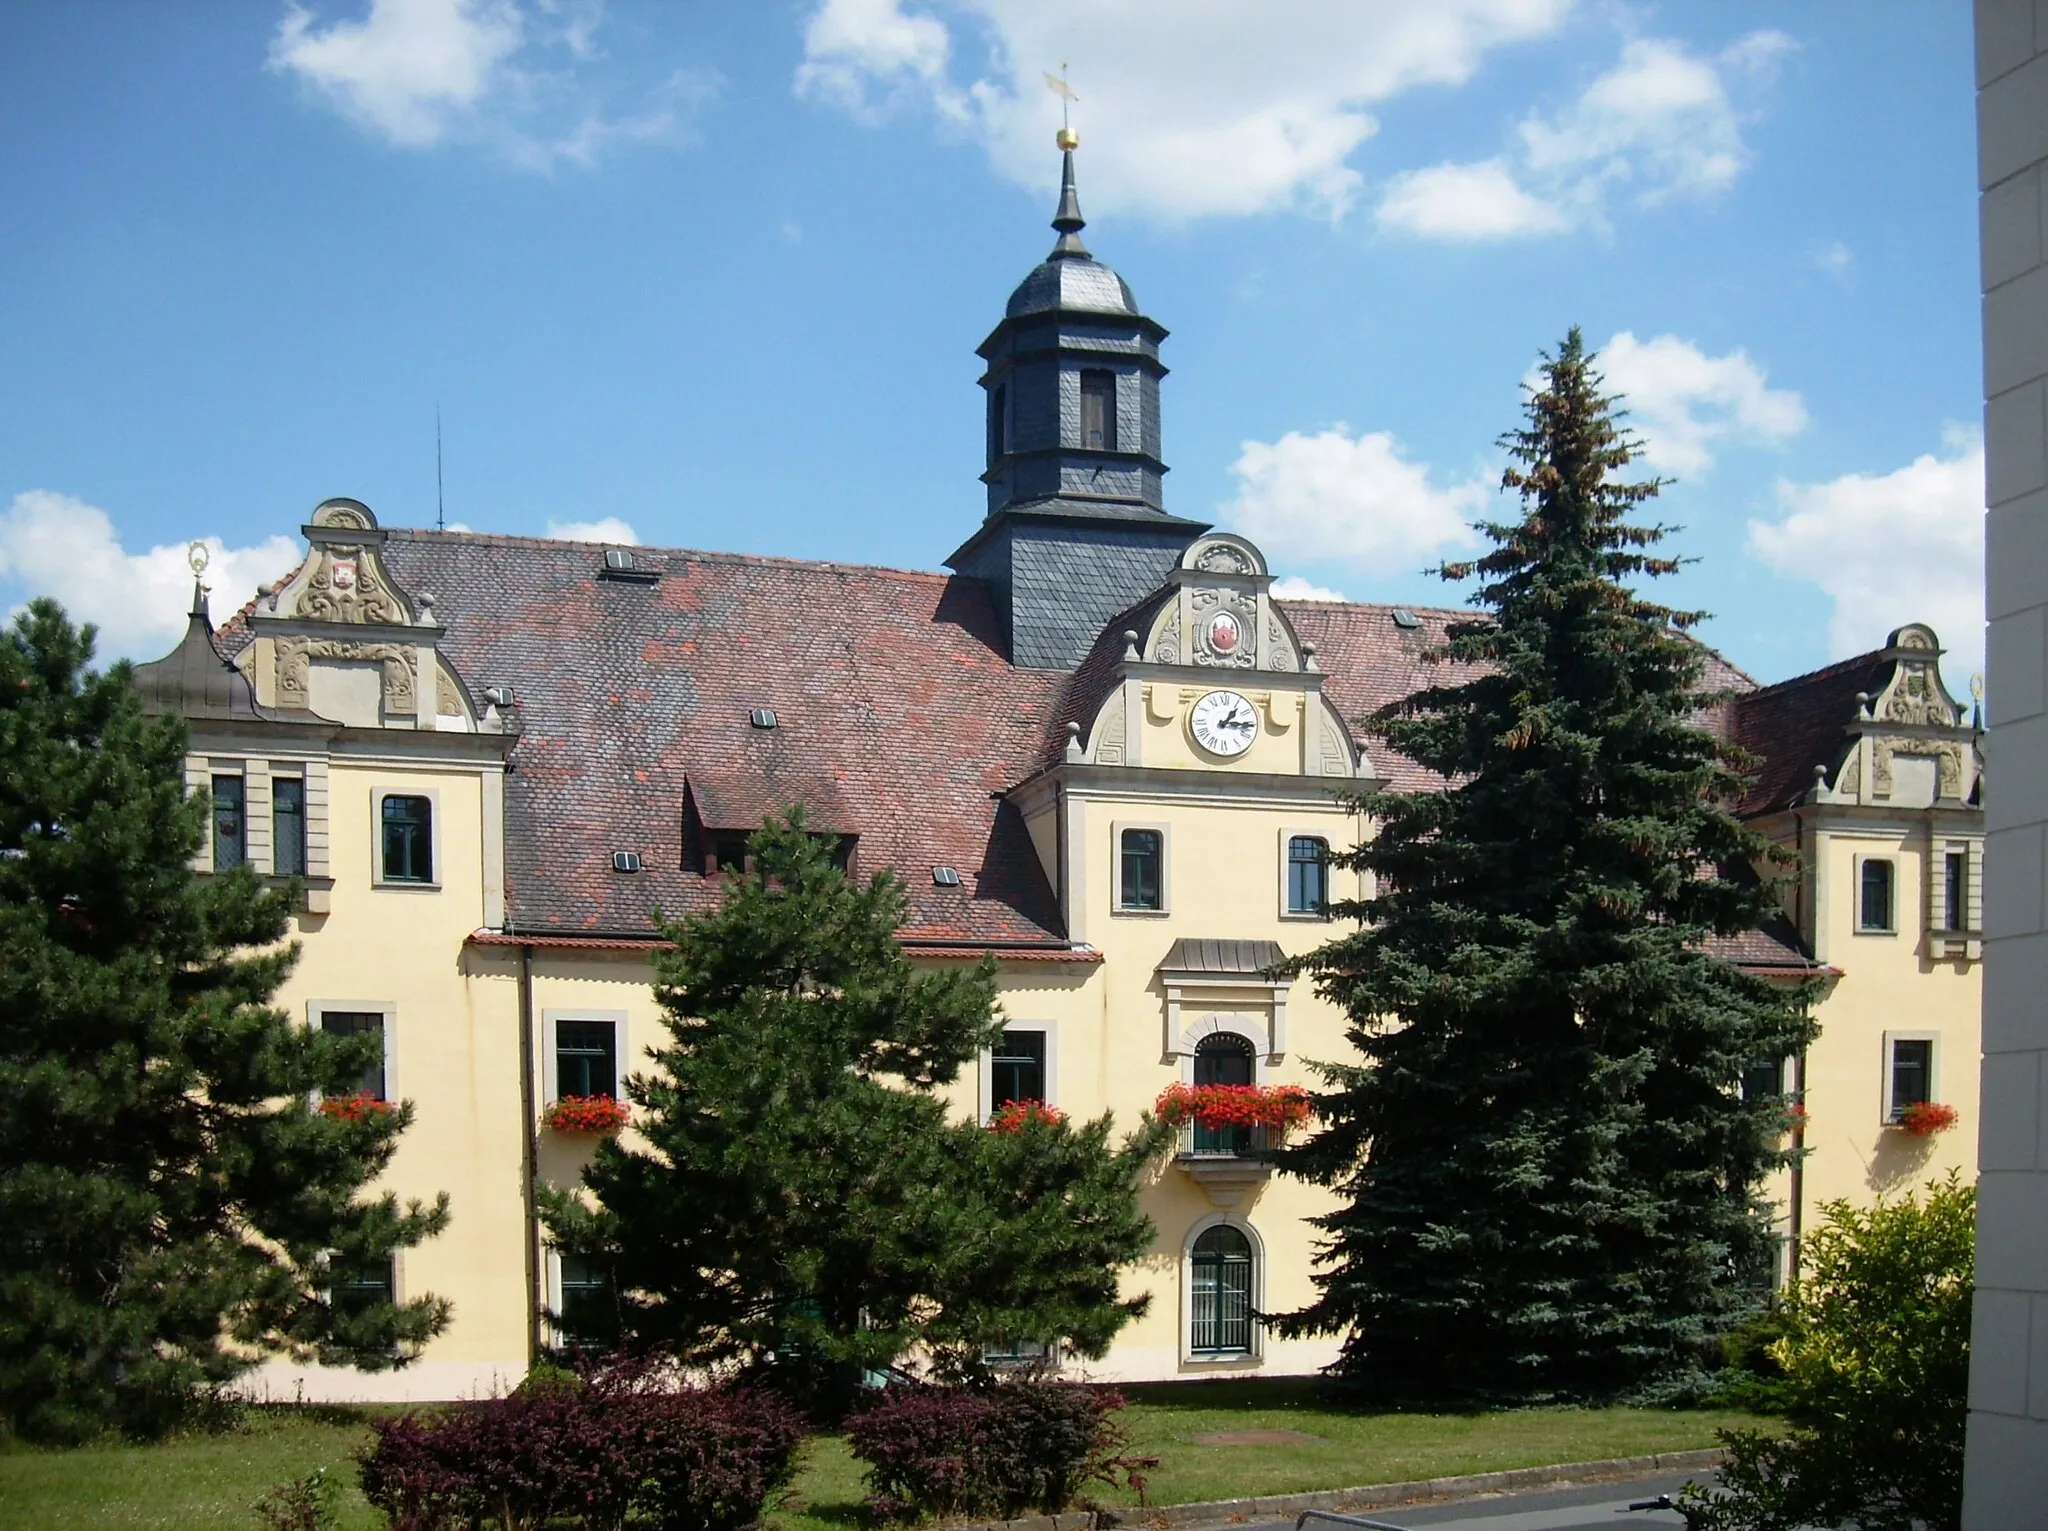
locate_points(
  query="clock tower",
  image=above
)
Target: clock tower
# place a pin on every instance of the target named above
(1077, 528)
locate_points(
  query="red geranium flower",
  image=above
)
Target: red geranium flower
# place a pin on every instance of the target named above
(587, 1113)
(1019, 1114)
(1235, 1105)
(354, 1108)
(1925, 1118)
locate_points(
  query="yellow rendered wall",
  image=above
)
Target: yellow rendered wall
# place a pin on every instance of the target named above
(452, 1050)
(1889, 983)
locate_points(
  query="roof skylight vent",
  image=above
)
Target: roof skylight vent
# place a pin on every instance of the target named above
(618, 558)
(763, 717)
(1403, 617)
(626, 861)
(619, 565)
(946, 877)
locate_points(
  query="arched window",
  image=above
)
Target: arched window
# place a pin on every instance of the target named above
(1220, 1292)
(1224, 1057)
(1308, 874)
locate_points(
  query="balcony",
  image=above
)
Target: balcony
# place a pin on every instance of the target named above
(1228, 1163)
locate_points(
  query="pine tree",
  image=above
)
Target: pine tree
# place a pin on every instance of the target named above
(803, 1197)
(174, 1204)
(1549, 1182)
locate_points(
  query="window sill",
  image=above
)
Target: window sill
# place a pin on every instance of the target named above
(1220, 1358)
(1874, 931)
(396, 882)
(1304, 917)
(1140, 914)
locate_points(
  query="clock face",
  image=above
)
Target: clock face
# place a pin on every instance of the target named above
(1224, 723)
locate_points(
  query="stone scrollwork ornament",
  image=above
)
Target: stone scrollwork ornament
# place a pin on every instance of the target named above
(294, 662)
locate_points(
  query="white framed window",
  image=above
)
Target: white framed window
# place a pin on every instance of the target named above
(1305, 874)
(1912, 1071)
(405, 832)
(583, 1299)
(1142, 869)
(1954, 873)
(355, 1017)
(1223, 1266)
(1023, 1065)
(585, 1053)
(353, 1285)
(1877, 896)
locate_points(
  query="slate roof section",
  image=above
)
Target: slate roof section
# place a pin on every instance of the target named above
(196, 681)
(1797, 724)
(888, 687)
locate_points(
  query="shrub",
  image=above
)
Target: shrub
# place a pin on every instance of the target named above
(620, 1441)
(1002, 1449)
(303, 1504)
(1874, 1360)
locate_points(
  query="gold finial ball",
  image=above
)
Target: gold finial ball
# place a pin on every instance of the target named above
(1067, 138)
(197, 557)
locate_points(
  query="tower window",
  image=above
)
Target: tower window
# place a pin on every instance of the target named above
(1098, 411)
(1141, 885)
(288, 825)
(1955, 891)
(998, 421)
(230, 838)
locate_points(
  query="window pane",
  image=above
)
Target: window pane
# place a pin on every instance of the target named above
(1142, 853)
(1016, 1070)
(1955, 891)
(589, 1319)
(1912, 1073)
(355, 1287)
(288, 826)
(729, 853)
(998, 410)
(1308, 875)
(356, 1023)
(408, 839)
(230, 842)
(1221, 1299)
(586, 1058)
(1764, 1079)
(1876, 911)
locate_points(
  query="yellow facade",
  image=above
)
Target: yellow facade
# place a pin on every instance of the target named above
(472, 1009)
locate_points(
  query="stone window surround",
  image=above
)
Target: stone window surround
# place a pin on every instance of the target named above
(377, 877)
(1190, 1358)
(257, 773)
(1884, 1097)
(1290, 833)
(1116, 869)
(1857, 927)
(984, 1096)
(551, 1018)
(316, 1008)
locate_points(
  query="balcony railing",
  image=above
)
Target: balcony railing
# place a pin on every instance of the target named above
(1199, 1142)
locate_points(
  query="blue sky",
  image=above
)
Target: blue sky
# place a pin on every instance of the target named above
(715, 273)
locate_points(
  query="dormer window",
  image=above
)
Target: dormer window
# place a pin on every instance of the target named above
(728, 852)
(1098, 411)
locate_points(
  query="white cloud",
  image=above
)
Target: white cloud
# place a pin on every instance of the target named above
(606, 529)
(1661, 124)
(1685, 403)
(1835, 259)
(1293, 587)
(1891, 548)
(1196, 108)
(1333, 495)
(1481, 201)
(57, 545)
(424, 72)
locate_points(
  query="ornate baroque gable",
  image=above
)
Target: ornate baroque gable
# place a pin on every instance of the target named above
(1911, 745)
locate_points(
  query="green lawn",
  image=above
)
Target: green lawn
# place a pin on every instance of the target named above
(211, 1481)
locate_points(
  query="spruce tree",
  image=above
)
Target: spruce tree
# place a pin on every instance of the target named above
(803, 1196)
(1549, 1182)
(174, 1204)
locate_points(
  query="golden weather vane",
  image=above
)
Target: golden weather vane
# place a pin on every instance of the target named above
(1057, 84)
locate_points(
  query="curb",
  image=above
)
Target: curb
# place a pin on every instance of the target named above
(1374, 1496)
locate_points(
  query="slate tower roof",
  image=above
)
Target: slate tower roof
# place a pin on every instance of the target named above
(1077, 527)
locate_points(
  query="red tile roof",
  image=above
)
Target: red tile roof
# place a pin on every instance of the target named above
(1797, 724)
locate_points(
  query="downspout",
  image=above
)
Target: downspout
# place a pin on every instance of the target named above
(1796, 1221)
(529, 1155)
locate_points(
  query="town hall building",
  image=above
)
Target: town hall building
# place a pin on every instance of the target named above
(1099, 750)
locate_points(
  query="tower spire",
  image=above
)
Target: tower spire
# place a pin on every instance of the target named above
(1068, 219)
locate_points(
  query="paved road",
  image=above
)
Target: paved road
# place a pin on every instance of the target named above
(1594, 1507)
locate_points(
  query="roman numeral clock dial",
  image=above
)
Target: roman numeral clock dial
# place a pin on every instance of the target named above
(1223, 723)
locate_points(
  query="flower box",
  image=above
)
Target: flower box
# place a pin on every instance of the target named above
(586, 1113)
(1925, 1118)
(354, 1108)
(1235, 1105)
(1015, 1116)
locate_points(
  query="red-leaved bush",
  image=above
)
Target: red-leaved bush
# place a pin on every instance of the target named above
(1002, 1449)
(624, 1441)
